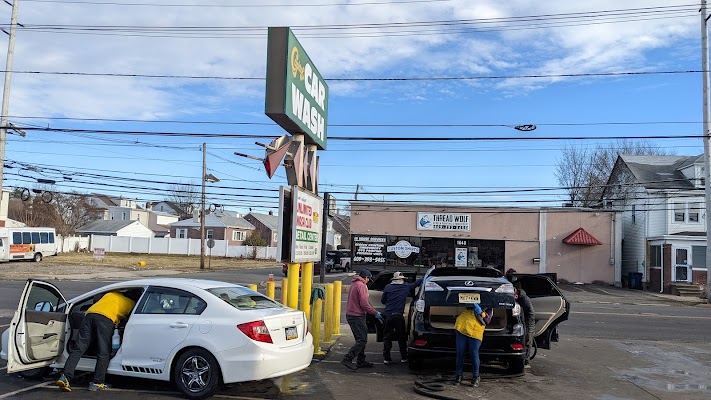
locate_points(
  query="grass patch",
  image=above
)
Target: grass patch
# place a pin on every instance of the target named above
(156, 261)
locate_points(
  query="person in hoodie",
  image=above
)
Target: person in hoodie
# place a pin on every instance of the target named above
(356, 310)
(394, 297)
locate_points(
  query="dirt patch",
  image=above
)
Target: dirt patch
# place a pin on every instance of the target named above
(118, 265)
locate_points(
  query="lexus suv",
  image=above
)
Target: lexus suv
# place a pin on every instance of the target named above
(446, 292)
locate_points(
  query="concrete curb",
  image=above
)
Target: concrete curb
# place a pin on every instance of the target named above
(326, 347)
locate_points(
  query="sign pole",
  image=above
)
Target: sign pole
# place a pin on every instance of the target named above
(324, 237)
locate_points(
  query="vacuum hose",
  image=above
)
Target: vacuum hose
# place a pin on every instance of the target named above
(431, 387)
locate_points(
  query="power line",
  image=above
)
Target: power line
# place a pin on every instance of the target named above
(208, 5)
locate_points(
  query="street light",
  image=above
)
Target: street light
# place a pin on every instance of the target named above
(205, 178)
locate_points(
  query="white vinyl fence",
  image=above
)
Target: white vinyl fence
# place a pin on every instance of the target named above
(188, 247)
(72, 243)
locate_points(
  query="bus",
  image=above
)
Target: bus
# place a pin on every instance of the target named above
(27, 244)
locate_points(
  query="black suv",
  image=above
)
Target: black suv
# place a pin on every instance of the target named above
(446, 292)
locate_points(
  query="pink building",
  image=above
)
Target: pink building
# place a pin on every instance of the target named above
(578, 245)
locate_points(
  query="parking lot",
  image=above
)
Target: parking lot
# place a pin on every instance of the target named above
(617, 344)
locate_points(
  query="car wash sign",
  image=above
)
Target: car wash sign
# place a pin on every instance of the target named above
(296, 96)
(306, 226)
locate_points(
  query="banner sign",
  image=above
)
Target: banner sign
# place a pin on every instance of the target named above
(99, 253)
(460, 257)
(369, 249)
(445, 222)
(403, 249)
(306, 226)
(296, 94)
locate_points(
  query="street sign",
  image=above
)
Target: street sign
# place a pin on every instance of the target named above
(99, 253)
(210, 243)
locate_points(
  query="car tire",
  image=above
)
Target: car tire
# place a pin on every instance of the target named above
(37, 257)
(35, 374)
(516, 366)
(197, 363)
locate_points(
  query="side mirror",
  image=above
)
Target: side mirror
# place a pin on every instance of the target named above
(44, 306)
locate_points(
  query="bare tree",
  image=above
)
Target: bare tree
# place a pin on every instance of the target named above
(185, 195)
(71, 211)
(584, 171)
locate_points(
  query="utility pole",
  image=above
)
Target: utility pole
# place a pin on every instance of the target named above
(707, 144)
(202, 207)
(6, 95)
(357, 190)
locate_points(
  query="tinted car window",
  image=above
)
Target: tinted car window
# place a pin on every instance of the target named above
(536, 286)
(381, 279)
(17, 237)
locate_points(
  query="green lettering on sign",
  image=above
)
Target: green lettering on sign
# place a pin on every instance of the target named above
(297, 95)
(306, 236)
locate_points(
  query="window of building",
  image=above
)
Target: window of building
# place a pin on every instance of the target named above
(655, 256)
(112, 216)
(275, 237)
(679, 212)
(694, 211)
(210, 234)
(698, 256)
(237, 236)
(123, 216)
(634, 214)
(181, 233)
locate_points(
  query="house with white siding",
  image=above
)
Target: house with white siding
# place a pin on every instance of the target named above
(664, 230)
(115, 228)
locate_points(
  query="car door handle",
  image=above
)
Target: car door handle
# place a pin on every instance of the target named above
(178, 325)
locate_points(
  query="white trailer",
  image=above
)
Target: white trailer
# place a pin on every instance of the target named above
(30, 243)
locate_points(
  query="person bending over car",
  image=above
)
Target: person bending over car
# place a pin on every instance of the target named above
(394, 297)
(356, 310)
(469, 326)
(98, 324)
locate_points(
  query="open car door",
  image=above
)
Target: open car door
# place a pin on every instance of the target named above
(549, 304)
(37, 331)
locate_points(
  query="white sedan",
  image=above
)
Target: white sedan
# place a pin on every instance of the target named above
(196, 333)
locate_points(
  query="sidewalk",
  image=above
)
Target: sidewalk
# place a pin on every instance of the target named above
(602, 294)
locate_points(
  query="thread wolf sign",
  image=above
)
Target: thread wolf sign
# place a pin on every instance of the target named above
(306, 226)
(296, 94)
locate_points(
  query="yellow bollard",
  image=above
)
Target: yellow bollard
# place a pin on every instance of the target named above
(328, 317)
(284, 290)
(270, 290)
(337, 304)
(292, 300)
(307, 274)
(252, 287)
(316, 326)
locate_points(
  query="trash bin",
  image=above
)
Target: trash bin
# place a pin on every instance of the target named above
(636, 280)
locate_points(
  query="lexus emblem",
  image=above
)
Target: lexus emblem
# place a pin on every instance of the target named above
(469, 283)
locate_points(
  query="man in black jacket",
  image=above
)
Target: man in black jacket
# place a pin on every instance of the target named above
(394, 297)
(529, 315)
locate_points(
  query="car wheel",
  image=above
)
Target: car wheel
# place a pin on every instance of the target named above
(37, 257)
(197, 374)
(35, 374)
(515, 367)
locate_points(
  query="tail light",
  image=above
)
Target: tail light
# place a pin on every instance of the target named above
(505, 288)
(517, 347)
(420, 342)
(256, 331)
(433, 287)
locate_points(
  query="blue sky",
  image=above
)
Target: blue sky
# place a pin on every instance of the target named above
(634, 41)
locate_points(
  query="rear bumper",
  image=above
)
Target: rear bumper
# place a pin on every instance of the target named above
(256, 362)
(443, 343)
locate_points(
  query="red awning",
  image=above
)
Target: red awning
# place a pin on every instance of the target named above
(581, 237)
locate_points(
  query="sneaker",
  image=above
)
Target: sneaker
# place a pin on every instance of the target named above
(475, 381)
(457, 380)
(364, 364)
(404, 360)
(93, 387)
(387, 361)
(63, 384)
(349, 364)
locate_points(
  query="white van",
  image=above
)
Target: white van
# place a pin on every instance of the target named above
(27, 244)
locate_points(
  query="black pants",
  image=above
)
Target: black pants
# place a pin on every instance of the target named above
(100, 329)
(394, 331)
(360, 333)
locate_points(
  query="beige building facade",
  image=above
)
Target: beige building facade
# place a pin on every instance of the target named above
(578, 245)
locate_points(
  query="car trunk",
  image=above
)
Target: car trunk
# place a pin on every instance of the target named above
(444, 317)
(458, 291)
(287, 328)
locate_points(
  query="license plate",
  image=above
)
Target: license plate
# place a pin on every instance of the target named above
(291, 333)
(469, 298)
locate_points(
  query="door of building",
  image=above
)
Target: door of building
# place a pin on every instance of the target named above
(682, 269)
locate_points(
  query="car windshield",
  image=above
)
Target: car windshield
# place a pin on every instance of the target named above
(244, 299)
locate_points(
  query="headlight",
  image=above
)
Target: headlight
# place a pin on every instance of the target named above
(516, 310)
(505, 288)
